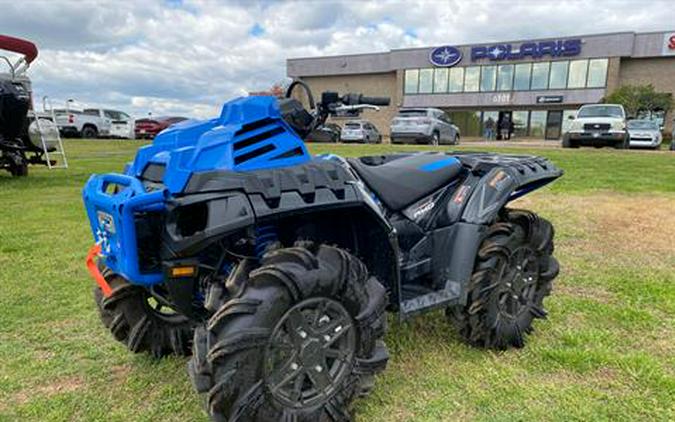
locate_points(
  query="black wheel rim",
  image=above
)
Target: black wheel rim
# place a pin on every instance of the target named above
(310, 353)
(518, 283)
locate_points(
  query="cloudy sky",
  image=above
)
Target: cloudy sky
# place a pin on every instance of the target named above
(188, 57)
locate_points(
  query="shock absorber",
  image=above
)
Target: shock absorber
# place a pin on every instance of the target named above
(264, 236)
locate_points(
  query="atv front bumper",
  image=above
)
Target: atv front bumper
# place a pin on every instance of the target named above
(115, 204)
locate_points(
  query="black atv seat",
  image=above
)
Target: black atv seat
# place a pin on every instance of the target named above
(399, 180)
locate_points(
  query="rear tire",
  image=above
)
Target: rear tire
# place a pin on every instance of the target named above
(131, 319)
(300, 342)
(18, 166)
(513, 273)
(89, 132)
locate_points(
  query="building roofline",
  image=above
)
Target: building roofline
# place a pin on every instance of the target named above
(335, 56)
(479, 43)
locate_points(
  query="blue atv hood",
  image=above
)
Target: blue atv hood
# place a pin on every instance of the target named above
(250, 134)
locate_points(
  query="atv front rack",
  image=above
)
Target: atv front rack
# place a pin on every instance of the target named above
(113, 202)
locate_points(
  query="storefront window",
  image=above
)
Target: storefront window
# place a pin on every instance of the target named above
(577, 76)
(522, 79)
(519, 119)
(597, 73)
(473, 124)
(456, 79)
(558, 79)
(471, 78)
(537, 123)
(540, 75)
(426, 81)
(468, 122)
(440, 80)
(505, 77)
(410, 85)
(487, 78)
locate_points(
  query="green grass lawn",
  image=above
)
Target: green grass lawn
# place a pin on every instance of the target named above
(606, 352)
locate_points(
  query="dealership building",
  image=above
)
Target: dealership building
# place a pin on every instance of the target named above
(536, 83)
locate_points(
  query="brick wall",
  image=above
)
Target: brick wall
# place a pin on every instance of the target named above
(659, 72)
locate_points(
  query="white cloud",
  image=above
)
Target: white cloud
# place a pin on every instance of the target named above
(188, 57)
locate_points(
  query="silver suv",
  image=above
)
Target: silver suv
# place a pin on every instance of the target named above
(423, 125)
(360, 131)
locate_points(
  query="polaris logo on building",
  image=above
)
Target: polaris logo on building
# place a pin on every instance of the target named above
(534, 50)
(445, 56)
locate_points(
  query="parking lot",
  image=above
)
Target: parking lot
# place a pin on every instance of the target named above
(606, 351)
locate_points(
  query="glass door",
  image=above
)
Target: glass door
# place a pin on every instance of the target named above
(553, 125)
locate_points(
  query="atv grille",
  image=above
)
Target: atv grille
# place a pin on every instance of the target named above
(257, 139)
(239, 159)
(148, 233)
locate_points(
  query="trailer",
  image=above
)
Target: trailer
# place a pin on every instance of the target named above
(26, 136)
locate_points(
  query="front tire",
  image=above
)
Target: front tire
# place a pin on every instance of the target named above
(513, 273)
(134, 320)
(300, 342)
(569, 143)
(624, 144)
(435, 139)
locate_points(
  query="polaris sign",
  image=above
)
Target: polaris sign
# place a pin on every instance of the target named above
(534, 50)
(446, 56)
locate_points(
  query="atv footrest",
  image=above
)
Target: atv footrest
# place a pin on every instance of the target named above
(428, 301)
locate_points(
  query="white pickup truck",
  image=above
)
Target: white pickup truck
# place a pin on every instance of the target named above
(91, 123)
(598, 125)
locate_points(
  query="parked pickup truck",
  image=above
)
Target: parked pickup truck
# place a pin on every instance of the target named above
(91, 123)
(598, 125)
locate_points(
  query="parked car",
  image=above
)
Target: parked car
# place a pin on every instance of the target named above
(361, 131)
(92, 123)
(598, 125)
(423, 125)
(149, 127)
(329, 132)
(644, 133)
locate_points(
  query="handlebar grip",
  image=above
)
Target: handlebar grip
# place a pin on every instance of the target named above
(378, 101)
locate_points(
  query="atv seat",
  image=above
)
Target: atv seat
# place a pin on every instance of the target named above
(399, 180)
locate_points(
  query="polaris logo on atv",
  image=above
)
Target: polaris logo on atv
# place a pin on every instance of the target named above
(445, 56)
(535, 50)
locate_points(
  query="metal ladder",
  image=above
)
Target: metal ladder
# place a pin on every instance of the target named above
(52, 137)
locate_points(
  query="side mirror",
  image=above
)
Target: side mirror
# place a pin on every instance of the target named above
(570, 117)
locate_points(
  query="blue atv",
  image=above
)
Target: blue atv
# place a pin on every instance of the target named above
(225, 240)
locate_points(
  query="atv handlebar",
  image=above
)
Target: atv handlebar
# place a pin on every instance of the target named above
(304, 121)
(360, 99)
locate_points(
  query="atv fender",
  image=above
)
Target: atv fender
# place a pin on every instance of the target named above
(504, 178)
(504, 181)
